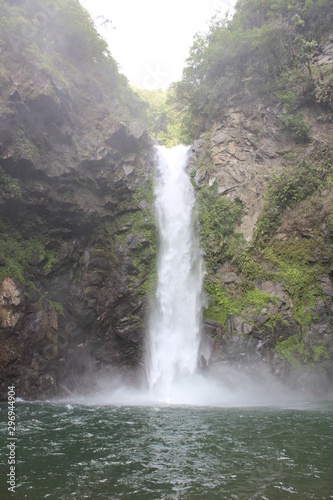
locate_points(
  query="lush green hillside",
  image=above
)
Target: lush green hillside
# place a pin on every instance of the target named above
(263, 52)
(55, 42)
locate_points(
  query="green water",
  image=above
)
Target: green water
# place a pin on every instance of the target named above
(67, 451)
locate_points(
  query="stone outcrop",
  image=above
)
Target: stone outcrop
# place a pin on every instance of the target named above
(243, 151)
(9, 301)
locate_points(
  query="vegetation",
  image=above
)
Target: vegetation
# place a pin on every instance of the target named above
(24, 257)
(293, 185)
(55, 41)
(164, 117)
(263, 54)
(264, 51)
(300, 192)
(60, 26)
(296, 351)
(9, 187)
(224, 304)
(218, 217)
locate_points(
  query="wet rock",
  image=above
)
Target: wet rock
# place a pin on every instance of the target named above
(74, 198)
(137, 129)
(235, 146)
(123, 139)
(326, 285)
(272, 288)
(247, 329)
(237, 324)
(128, 170)
(258, 319)
(229, 277)
(200, 176)
(15, 96)
(197, 144)
(10, 299)
(240, 326)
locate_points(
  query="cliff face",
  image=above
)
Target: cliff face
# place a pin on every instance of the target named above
(77, 232)
(269, 270)
(78, 239)
(78, 236)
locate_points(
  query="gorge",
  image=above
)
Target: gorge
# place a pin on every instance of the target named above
(79, 238)
(166, 309)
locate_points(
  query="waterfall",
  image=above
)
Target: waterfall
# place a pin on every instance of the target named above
(174, 343)
(175, 320)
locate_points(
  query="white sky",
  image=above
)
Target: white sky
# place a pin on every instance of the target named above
(150, 39)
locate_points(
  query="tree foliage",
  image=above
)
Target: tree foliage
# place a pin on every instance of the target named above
(253, 55)
(164, 117)
(56, 35)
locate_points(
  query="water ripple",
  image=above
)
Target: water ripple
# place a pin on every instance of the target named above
(173, 452)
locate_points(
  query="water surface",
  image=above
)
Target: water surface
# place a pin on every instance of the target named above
(69, 451)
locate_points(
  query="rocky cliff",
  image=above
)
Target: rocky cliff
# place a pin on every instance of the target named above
(78, 236)
(269, 253)
(77, 232)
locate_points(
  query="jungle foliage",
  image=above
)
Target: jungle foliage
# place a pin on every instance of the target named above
(164, 117)
(264, 51)
(58, 39)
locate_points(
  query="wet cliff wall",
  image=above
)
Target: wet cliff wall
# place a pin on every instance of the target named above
(77, 232)
(265, 209)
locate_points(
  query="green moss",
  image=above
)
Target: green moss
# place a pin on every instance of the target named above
(217, 218)
(249, 267)
(223, 303)
(17, 253)
(24, 148)
(145, 192)
(320, 353)
(299, 277)
(295, 350)
(292, 350)
(49, 305)
(257, 299)
(10, 187)
(296, 263)
(57, 307)
(138, 224)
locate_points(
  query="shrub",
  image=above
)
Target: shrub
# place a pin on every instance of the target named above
(296, 125)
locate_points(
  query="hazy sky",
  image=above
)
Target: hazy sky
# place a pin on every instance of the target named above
(150, 39)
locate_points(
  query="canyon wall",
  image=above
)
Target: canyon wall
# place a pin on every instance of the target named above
(269, 270)
(78, 237)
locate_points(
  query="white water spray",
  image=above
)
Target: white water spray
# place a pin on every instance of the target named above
(175, 323)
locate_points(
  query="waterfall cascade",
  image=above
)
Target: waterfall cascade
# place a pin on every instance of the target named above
(174, 342)
(175, 321)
